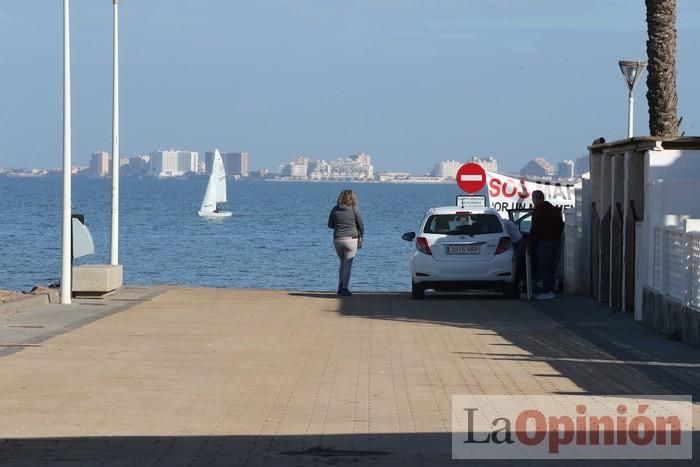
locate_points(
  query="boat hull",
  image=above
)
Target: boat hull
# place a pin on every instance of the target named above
(215, 214)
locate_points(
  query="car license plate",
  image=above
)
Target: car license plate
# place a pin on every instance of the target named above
(463, 249)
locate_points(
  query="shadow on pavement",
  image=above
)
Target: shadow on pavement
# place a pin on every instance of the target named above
(380, 449)
(601, 351)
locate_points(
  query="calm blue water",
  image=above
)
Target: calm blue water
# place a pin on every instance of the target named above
(277, 237)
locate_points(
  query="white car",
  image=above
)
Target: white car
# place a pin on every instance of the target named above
(458, 249)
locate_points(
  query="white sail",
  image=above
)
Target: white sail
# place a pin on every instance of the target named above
(216, 188)
(219, 173)
(209, 202)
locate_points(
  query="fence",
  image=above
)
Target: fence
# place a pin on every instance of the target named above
(577, 243)
(571, 260)
(694, 250)
(676, 264)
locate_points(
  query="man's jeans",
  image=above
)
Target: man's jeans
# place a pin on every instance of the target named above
(547, 259)
(519, 252)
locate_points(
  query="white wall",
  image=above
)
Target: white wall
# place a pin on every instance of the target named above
(671, 194)
(677, 177)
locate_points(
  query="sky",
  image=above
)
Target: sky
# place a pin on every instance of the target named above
(409, 82)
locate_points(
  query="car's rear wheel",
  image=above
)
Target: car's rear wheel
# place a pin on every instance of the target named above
(510, 291)
(417, 291)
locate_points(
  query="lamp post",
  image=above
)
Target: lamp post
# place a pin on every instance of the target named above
(632, 71)
(114, 239)
(66, 279)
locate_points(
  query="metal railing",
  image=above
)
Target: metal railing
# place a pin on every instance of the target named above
(658, 277)
(694, 269)
(676, 264)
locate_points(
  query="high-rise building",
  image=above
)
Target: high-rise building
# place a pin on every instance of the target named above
(565, 169)
(354, 167)
(489, 164)
(137, 165)
(320, 170)
(582, 165)
(235, 163)
(297, 169)
(100, 164)
(446, 169)
(241, 166)
(261, 173)
(538, 167)
(363, 167)
(174, 163)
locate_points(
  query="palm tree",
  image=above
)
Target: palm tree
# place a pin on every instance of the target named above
(661, 78)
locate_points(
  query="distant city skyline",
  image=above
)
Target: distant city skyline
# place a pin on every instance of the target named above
(409, 82)
(244, 166)
(355, 167)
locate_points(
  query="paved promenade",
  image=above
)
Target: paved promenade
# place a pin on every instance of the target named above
(187, 376)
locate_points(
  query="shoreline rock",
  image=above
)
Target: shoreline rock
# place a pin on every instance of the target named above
(7, 296)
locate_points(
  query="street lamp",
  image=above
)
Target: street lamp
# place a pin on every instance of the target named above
(631, 70)
(66, 225)
(114, 238)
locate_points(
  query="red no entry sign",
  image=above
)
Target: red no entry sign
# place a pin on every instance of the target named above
(471, 177)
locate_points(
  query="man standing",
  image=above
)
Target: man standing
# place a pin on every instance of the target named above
(547, 227)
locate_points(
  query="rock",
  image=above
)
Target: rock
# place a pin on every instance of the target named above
(37, 289)
(8, 296)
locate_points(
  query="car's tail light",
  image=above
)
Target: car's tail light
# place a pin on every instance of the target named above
(422, 246)
(503, 245)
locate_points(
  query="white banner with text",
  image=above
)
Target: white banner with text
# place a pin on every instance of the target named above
(507, 192)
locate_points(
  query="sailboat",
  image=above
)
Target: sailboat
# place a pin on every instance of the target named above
(216, 190)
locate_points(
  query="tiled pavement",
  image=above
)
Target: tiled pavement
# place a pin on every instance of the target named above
(183, 376)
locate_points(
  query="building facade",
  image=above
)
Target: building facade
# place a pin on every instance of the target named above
(449, 169)
(446, 169)
(538, 167)
(174, 163)
(582, 166)
(137, 165)
(100, 164)
(297, 169)
(235, 163)
(565, 169)
(489, 164)
(354, 167)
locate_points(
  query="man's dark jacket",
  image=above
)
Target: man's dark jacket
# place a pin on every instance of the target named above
(546, 222)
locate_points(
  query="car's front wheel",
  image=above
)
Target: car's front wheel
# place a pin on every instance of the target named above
(417, 291)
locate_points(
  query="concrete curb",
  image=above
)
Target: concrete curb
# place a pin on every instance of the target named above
(29, 302)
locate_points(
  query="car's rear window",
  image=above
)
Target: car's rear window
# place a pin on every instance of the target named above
(463, 224)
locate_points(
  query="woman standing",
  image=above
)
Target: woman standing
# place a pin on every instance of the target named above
(348, 230)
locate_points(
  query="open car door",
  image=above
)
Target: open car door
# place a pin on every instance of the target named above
(522, 218)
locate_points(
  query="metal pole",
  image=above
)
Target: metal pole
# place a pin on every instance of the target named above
(630, 116)
(528, 274)
(66, 278)
(114, 250)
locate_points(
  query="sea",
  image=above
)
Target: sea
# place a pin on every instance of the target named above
(277, 237)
